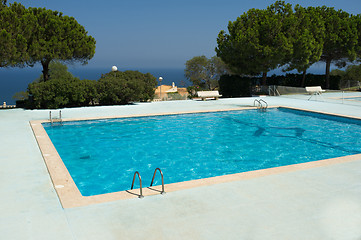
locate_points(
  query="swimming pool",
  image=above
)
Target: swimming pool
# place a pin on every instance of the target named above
(353, 98)
(102, 155)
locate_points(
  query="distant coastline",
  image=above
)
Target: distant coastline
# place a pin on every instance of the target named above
(13, 80)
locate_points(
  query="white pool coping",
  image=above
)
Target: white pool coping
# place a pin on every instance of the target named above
(70, 195)
(313, 203)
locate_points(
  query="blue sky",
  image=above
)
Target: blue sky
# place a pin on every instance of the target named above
(159, 33)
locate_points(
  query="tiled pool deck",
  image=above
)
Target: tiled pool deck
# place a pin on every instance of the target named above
(314, 203)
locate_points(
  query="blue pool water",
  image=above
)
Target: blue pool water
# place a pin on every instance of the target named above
(353, 98)
(103, 155)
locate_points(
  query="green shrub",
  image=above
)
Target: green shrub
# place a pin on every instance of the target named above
(126, 87)
(235, 86)
(175, 96)
(59, 93)
(294, 80)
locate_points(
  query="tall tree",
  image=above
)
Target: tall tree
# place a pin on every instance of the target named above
(14, 35)
(57, 70)
(258, 40)
(357, 20)
(58, 37)
(307, 40)
(352, 72)
(3, 3)
(205, 72)
(340, 39)
(38, 35)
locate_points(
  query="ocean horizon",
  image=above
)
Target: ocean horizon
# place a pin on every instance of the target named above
(13, 80)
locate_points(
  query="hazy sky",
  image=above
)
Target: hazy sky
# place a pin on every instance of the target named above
(159, 33)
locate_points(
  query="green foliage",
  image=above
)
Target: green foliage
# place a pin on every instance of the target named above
(340, 40)
(235, 86)
(258, 41)
(59, 93)
(174, 96)
(293, 80)
(192, 91)
(23, 95)
(307, 39)
(205, 72)
(357, 20)
(51, 94)
(38, 35)
(13, 35)
(64, 90)
(58, 37)
(111, 89)
(352, 74)
(338, 72)
(125, 87)
(90, 91)
(262, 40)
(57, 70)
(61, 90)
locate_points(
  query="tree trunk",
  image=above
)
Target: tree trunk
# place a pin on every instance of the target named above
(264, 78)
(303, 78)
(328, 64)
(45, 65)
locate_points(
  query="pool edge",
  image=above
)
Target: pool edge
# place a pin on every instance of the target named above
(70, 196)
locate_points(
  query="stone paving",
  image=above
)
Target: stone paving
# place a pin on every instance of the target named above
(316, 203)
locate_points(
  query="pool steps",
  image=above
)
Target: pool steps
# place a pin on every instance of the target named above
(151, 184)
(52, 119)
(260, 104)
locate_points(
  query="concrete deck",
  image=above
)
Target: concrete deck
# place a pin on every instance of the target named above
(315, 203)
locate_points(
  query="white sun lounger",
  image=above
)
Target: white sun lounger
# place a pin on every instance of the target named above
(208, 94)
(314, 91)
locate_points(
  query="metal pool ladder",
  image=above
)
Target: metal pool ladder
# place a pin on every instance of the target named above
(161, 174)
(261, 104)
(151, 184)
(52, 119)
(140, 184)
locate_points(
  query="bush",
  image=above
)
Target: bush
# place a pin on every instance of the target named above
(64, 90)
(175, 96)
(59, 93)
(294, 80)
(235, 86)
(125, 87)
(192, 91)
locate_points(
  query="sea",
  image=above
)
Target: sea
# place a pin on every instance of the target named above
(13, 80)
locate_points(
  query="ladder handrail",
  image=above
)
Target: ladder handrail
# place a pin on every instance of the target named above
(51, 119)
(261, 100)
(161, 174)
(260, 105)
(254, 103)
(140, 183)
(61, 120)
